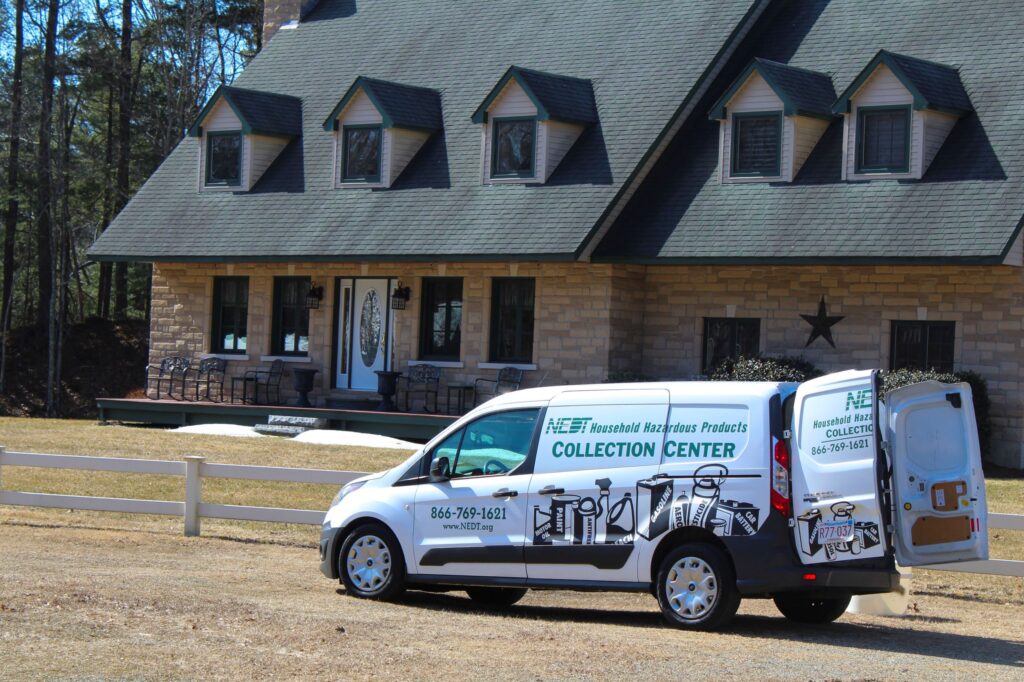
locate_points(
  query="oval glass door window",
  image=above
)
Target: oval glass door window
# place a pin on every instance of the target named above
(370, 323)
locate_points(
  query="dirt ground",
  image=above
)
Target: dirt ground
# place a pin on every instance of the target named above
(91, 601)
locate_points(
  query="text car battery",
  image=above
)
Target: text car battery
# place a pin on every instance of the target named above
(653, 502)
(740, 517)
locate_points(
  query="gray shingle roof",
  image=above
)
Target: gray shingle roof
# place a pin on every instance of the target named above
(562, 98)
(263, 113)
(641, 58)
(934, 86)
(404, 106)
(803, 92)
(967, 208)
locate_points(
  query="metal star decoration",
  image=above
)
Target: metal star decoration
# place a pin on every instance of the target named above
(821, 324)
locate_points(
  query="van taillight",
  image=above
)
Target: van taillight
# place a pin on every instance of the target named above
(780, 478)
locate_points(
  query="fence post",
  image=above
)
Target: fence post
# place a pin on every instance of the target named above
(193, 494)
(2, 450)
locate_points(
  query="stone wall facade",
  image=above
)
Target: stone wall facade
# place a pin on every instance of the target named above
(592, 320)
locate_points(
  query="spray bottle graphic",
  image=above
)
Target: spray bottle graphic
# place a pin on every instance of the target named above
(842, 512)
(707, 488)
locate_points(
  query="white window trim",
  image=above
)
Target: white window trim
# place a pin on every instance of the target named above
(286, 358)
(225, 356)
(443, 364)
(503, 365)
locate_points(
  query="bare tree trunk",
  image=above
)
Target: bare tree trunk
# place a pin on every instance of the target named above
(106, 268)
(11, 216)
(44, 249)
(124, 93)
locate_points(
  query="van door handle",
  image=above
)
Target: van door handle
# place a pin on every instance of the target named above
(550, 490)
(504, 492)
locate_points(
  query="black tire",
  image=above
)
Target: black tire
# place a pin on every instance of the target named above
(718, 588)
(387, 581)
(817, 610)
(496, 597)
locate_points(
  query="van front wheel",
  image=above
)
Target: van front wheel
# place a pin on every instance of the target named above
(370, 563)
(811, 609)
(697, 588)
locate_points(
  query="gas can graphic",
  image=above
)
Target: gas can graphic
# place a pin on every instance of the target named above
(808, 524)
(707, 488)
(654, 502)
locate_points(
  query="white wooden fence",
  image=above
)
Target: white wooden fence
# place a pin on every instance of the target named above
(193, 509)
(193, 468)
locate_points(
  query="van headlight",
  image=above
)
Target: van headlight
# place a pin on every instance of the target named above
(346, 489)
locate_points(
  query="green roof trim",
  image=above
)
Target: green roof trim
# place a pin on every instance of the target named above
(400, 106)
(803, 92)
(559, 98)
(260, 113)
(934, 86)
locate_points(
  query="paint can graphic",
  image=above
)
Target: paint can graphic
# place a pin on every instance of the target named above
(563, 513)
(653, 501)
(541, 527)
(808, 525)
(584, 522)
(707, 488)
(621, 522)
(717, 526)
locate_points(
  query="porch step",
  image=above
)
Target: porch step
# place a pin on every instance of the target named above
(286, 425)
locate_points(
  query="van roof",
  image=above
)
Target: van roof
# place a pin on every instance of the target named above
(678, 390)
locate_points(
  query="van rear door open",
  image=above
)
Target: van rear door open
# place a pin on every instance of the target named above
(938, 508)
(939, 489)
(835, 473)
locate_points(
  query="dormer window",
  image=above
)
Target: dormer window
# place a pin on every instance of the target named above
(770, 119)
(529, 122)
(897, 113)
(513, 148)
(379, 127)
(757, 144)
(361, 153)
(224, 158)
(883, 135)
(240, 134)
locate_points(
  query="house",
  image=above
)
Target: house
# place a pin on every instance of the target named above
(580, 189)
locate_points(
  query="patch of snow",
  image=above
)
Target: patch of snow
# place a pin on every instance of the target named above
(233, 430)
(366, 440)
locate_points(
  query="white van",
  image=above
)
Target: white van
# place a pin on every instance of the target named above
(701, 493)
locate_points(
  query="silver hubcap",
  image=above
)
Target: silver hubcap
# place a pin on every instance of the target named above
(368, 563)
(691, 588)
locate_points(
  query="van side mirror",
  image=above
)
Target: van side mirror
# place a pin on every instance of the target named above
(440, 470)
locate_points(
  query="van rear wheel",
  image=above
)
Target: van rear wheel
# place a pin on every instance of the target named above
(496, 597)
(697, 587)
(815, 610)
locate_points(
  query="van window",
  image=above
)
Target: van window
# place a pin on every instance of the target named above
(578, 437)
(495, 444)
(706, 432)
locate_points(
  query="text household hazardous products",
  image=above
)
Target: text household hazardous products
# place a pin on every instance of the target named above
(701, 493)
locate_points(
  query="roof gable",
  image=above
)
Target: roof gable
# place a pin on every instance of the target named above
(559, 98)
(933, 85)
(400, 106)
(261, 113)
(803, 92)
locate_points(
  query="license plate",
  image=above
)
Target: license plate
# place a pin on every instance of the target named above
(831, 532)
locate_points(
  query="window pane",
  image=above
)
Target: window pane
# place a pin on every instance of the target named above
(730, 338)
(230, 314)
(757, 145)
(441, 318)
(884, 146)
(496, 444)
(362, 153)
(291, 318)
(513, 147)
(922, 345)
(512, 320)
(940, 346)
(224, 163)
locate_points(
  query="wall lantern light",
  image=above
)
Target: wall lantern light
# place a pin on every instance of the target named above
(313, 298)
(400, 297)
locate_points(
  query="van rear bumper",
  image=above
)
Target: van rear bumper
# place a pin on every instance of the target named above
(767, 563)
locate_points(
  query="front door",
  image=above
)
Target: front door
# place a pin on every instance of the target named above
(474, 523)
(365, 331)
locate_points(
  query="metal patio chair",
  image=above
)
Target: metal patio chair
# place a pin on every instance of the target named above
(211, 374)
(509, 379)
(425, 379)
(269, 378)
(170, 369)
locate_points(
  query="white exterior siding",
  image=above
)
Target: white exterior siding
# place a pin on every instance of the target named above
(261, 150)
(806, 133)
(513, 101)
(560, 137)
(359, 111)
(882, 88)
(221, 118)
(936, 128)
(404, 145)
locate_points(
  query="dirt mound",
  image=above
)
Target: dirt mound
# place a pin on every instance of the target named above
(102, 359)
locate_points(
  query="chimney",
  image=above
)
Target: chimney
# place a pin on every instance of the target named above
(279, 13)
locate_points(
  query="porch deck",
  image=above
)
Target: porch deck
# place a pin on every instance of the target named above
(405, 425)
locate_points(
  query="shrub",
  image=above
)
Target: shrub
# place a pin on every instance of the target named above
(626, 377)
(979, 390)
(765, 369)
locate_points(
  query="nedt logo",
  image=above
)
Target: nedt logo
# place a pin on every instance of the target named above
(858, 400)
(564, 425)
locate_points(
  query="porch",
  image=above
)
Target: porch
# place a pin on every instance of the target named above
(404, 425)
